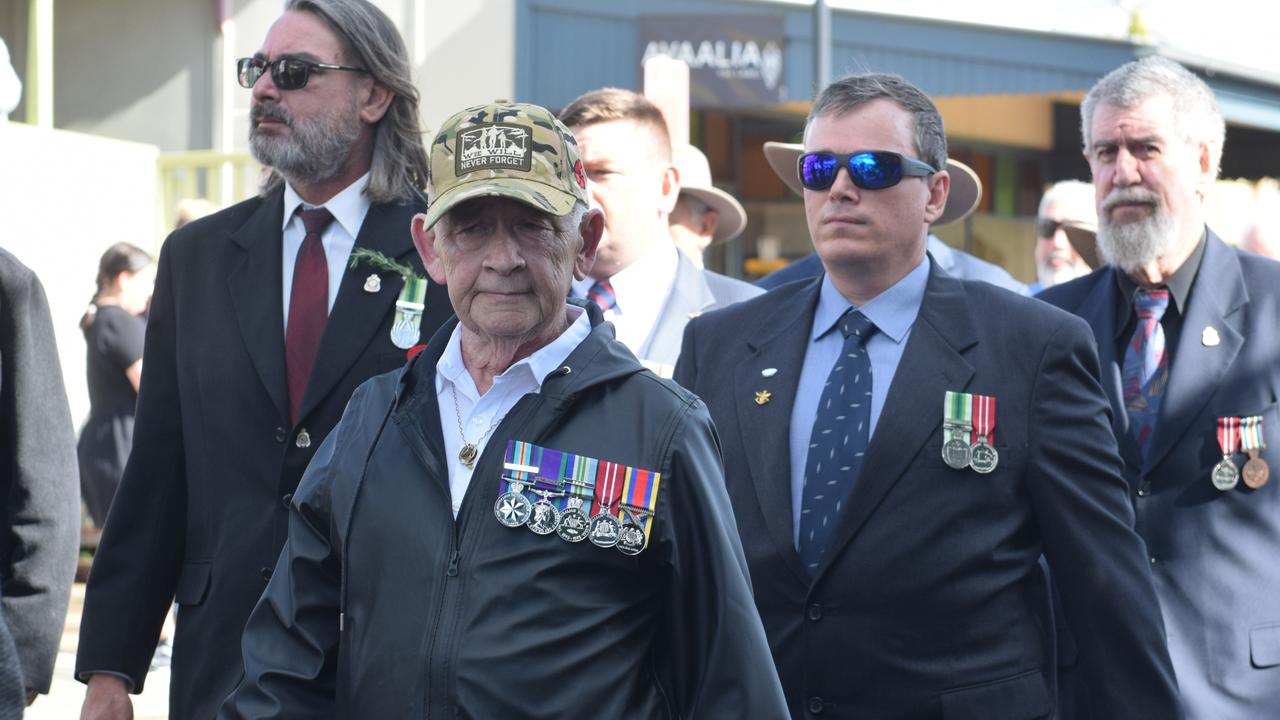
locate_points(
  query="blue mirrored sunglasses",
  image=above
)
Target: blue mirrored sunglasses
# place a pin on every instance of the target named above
(869, 169)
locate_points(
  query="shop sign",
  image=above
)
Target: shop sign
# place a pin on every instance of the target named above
(734, 60)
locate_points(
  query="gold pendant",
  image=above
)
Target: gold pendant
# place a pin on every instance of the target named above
(468, 455)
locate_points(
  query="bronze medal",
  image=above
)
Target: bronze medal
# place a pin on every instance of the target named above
(1256, 472)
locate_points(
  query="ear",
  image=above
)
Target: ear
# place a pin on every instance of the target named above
(375, 103)
(939, 185)
(425, 242)
(670, 190)
(1207, 175)
(710, 221)
(590, 230)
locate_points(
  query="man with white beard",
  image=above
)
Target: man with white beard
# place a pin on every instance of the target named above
(1069, 202)
(1186, 333)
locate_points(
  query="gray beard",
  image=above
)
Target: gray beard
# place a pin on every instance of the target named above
(1135, 245)
(315, 151)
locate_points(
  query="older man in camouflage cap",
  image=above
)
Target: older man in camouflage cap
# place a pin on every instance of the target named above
(523, 521)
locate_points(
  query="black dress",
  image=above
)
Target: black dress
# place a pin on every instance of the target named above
(115, 342)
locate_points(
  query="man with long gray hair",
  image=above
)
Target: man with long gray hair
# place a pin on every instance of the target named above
(1185, 327)
(260, 329)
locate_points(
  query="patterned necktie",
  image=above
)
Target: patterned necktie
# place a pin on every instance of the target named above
(308, 306)
(1146, 366)
(601, 293)
(839, 439)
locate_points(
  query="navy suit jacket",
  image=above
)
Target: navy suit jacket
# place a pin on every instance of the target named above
(1215, 556)
(929, 602)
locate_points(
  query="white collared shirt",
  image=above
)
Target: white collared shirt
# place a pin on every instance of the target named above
(349, 209)
(641, 289)
(479, 414)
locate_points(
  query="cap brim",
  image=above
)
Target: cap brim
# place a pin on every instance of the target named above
(733, 219)
(962, 199)
(1084, 238)
(535, 194)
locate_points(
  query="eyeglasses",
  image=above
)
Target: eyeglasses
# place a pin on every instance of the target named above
(869, 169)
(1047, 228)
(286, 73)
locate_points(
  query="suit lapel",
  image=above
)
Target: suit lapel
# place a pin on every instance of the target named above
(931, 364)
(1099, 309)
(256, 292)
(357, 316)
(1196, 368)
(765, 429)
(689, 295)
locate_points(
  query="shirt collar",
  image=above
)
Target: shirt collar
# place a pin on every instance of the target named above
(1178, 285)
(648, 276)
(537, 366)
(893, 311)
(347, 207)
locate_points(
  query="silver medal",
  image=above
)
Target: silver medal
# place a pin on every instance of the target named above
(545, 518)
(956, 451)
(512, 507)
(983, 457)
(574, 524)
(604, 530)
(1225, 474)
(631, 539)
(405, 332)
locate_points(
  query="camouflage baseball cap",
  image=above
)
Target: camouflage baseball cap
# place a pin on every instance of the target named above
(505, 149)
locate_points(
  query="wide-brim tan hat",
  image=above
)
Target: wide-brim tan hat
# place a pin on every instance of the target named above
(963, 199)
(1084, 238)
(695, 180)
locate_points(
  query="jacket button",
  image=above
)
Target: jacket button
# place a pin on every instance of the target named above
(814, 612)
(816, 705)
(266, 573)
(288, 498)
(1144, 489)
(281, 434)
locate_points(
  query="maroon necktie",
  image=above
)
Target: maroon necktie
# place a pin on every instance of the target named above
(308, 306)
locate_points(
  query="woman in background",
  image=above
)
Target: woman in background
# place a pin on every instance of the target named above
(113, 329)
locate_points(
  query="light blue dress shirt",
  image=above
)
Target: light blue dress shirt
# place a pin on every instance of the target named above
(893, 311)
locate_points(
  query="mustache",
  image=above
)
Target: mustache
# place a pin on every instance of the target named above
(274, 113)
(1130, 195)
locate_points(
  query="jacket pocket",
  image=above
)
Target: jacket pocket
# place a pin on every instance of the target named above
(1021, 697)
(1264, 645)
(193, 583)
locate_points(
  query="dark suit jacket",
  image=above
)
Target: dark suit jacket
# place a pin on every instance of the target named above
(929, 602)
(1215, 556)
(201, 511)
(39, 483)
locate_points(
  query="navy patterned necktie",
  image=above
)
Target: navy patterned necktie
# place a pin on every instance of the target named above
(1146, 366)
(839, 439)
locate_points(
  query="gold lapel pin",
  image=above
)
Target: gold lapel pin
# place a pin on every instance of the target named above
(763, 396)
(1210, 338)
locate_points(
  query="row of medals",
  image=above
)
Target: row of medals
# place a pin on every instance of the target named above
(514, 509)
(958, 453)
(1226, 475)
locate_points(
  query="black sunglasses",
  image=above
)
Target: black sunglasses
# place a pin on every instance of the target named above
(286, 73)
(1047, 228)
(869, 169)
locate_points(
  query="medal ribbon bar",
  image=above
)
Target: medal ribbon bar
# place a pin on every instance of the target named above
(1251, 437)
(957, 411)
(640, 493)
(1228, 436)
(984, 417)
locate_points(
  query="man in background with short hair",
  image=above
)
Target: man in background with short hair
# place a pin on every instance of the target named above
(645, 287)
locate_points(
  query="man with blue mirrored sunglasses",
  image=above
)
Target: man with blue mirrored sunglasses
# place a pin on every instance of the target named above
(894, 581)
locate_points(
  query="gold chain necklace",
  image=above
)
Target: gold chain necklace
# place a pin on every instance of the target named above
(467, 455)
